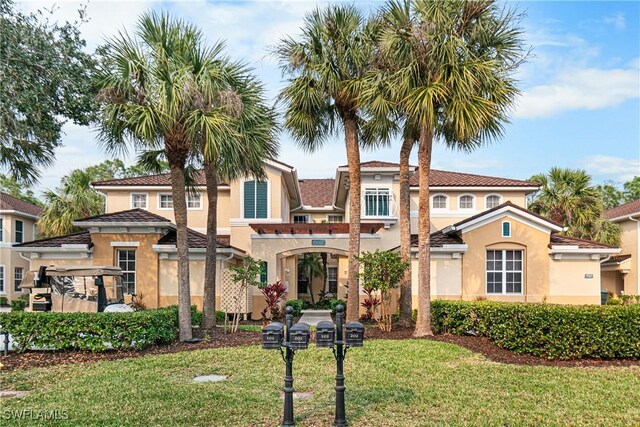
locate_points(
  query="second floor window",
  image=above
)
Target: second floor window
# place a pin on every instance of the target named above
(138, 201)
(492, 201)
(255, 199)
(194, 201)
(300, 219)
(19, 231)
(440, 202)
(466, 202)
(335, 218)
(18, 273)
(376, 201)
(166, 201)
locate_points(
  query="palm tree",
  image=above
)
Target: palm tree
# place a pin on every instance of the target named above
(157, 90)
(454, 81)
(567, 197)
(312, 266)
(325, 66)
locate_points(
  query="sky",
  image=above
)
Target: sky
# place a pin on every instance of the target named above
(579, 107)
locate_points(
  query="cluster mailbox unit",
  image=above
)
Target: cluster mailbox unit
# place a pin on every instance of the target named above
(275, 336)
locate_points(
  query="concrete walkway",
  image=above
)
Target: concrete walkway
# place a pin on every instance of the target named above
(313, 317)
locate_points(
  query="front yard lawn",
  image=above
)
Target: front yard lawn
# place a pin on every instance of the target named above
(389, 383)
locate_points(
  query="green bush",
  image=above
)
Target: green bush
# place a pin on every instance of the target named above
(220, 315)
(335, 302)
(20, 303)
(545, 330)
(4, 302)
(91, 331)
(297, 305)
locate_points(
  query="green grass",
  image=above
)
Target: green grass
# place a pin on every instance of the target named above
(389, 383)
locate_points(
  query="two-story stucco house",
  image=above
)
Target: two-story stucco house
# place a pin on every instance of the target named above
(485, 244)
(620, 272)
(17, 225)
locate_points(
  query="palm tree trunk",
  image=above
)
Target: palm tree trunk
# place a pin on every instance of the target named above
(423, 323)
(310, 285)
(209, 299)
(405, 232)
(353, 159)
(180, 213)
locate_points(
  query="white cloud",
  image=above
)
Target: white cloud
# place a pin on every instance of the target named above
(621, 169)
(618, 21)
(580, 89)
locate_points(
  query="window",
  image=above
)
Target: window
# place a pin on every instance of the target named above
(1, 228)
(332, 279)
(335, 218)
(1, 278)
(440, 202)
(19, 231)
(300, 219)
(504, 272)
(255, 199)
(138, 201)
(194, 201)
(506, 229)
(166, 201)
(18, 273)
(263, 272)
(376, 201)
(466, 202)
(127, 262)
(492, 201)
(303, 283)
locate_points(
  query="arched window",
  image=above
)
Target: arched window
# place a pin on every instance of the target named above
(439, 202)
(506, 229)
(256, 201)
(492, 201)
(466, 202)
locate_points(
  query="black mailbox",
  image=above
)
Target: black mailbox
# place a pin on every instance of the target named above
(325, 334)
(272, 336)
(299, 336)
(355, 334)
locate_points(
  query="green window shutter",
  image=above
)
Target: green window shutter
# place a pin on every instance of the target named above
(263, 273)
(261, 200)
(250, 199)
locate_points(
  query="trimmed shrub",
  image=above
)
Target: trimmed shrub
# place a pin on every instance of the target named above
(335, 302)
(91, 331)
(220, 316)
(4, 302)
(545, 330)
(297, 305)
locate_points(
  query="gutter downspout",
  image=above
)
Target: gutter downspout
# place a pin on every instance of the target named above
(637, 254)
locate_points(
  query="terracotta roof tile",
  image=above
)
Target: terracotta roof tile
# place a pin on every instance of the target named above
(628, 209)
(160, 180)
(317, 192)
(132, 215)
(81, 238)
(507, 203)
(560, 240)
(10, 203)
(438, 239)
(617, 259)
(195, 239)
(376, 164)
(439, 178)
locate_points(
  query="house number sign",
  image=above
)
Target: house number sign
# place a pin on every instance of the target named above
(318, 242)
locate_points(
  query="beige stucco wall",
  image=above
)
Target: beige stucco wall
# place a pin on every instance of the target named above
(629, 245)
(569, 282)
(9, 258)
(612, 281)
(446, 278)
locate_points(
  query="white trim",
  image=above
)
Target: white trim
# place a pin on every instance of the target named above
(146, 200)
(15, 231)
(504, 272)
(314, 236)
(446, 202)
(125, 244)
(390, 201)
(502, 228)
(293, 218)
(15, 212)
(492, 195)
(616, 219)
(256, 188)
(473, 202)
(172, 249)
(160, 208)
(150, 187)
(557, 249)
(506, 211)
(242, 222)
(125, 224)
(334, 214)
(471, 188)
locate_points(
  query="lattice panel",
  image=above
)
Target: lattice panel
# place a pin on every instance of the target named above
(232, 293)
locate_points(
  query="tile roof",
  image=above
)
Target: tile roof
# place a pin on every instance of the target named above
(507, 203)
(131, 215)
(376, 164)
(615, 259)
(195, 239)
(439, 178)
(81, 238)
(160, 180)
(626, 210)
(317, 192)
(10, 203)
(438, 239)
(560, 240)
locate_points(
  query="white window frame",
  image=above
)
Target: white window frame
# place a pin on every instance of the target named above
(15, 278)
(377, 188)
(160, 201)
(194, 208)
(486, 200)
(135, 264)
(307, 221)
(502, 229)
(504, 272)
(337, 216)
(242, 199)
(473, 202)
(328, 288)
(446, 202)
(3, 282)
(146, 200)
(15, 231)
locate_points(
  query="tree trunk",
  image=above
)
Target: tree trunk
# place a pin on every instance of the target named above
(180, 213)
(423, 323)
(353, 159)
(209, 298)
(310, 285)
(405, 233)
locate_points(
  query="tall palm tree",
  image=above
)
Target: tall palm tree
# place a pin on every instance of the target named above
(566, 196)
(157, 90)
(312, 266)
(325, 66)
(454, 81)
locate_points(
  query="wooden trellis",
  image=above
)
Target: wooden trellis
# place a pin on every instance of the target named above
(231, 293)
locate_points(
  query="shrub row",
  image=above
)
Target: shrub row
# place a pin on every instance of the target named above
(327, 304)
(545, 330)
(91, 331)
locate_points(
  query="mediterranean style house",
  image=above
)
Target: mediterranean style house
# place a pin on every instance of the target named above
(485, 243)
(17, 225)
(620, 272)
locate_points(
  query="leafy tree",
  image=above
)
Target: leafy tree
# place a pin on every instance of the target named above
(12, 187)
(244, 275)
(632, 189)
(567, 197)
(325, 67)
(610, 195)
(455, 83)
(382, 272)
(312, 266)
(44, 82)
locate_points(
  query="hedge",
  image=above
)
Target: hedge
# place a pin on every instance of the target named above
(91, 331)
(545, 330)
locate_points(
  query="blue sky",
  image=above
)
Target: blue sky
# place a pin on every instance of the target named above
(580, 105)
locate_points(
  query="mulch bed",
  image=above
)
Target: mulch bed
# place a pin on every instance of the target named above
(218, 338)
